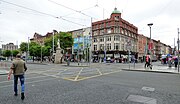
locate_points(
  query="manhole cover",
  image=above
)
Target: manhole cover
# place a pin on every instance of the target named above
(148, 89)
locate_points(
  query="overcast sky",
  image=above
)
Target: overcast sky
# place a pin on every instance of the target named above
(20, 19)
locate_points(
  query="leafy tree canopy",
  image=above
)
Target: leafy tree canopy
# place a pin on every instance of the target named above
(66, 40)
(15, 52)
(6, 53)
(23, 46)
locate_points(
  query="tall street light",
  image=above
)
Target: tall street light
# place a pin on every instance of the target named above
(1, 48)
(28, 51)
(90, 44)
(150, 25)
(53, 43)
(42, 53)
(78, 49)
(178, 49)
(150, 42)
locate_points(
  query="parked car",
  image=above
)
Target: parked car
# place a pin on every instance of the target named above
(154, 58)
(2, 58)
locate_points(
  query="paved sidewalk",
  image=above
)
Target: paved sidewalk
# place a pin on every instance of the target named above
(158, 69)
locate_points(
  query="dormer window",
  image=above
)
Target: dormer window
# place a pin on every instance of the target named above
(116, 18)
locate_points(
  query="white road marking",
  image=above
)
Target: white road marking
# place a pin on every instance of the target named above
(99, 71)
(29, 82)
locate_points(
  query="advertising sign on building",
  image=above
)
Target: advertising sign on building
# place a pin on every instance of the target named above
(150, 45)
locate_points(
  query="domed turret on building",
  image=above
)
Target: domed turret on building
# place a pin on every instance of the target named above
(116, 14)
(116, 11)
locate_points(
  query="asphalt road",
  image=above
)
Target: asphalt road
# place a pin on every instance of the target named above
(98, 84)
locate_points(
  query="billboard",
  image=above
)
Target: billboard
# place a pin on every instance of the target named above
(80, 40)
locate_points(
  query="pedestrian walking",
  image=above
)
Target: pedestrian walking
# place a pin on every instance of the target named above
(175, 62)
(18, 69)
(147, 61)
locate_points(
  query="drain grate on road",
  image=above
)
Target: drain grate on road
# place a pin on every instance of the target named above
(142, 99)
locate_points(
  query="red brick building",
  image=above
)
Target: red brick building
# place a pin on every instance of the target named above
(38, 38)
(113, 37)
(142, 46)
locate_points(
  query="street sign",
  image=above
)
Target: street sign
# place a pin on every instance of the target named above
(129, 44)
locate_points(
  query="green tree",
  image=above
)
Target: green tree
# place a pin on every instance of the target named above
(66, 40)
(34, 49)
(1, 52)
(23, 46)
(6, 53)
(46, 51)
(48, 41)
(15, 52)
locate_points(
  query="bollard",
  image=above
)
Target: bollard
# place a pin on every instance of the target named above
(5, 65)
(68, 62)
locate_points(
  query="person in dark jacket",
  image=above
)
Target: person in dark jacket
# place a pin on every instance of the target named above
(176, 62)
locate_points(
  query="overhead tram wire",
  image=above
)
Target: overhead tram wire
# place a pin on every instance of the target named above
(80, 10)
(163, 8)
(42, 13)
(82, 19)
(71, 9)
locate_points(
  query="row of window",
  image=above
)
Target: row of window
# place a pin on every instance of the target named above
(116, 30)
(108, 38)
(9, 47)
(102, 25)
(116, 47)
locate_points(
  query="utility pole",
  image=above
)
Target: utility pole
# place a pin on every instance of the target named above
(90, 43)
(1, 48)
(178, 50)
(150, 43)
(28, 49)
(104, 48)
(78, 50)
(41, 53)
(53, 43)
(174, 48)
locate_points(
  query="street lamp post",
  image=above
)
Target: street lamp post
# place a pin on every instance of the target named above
(104, 49)
(1, 48)
(53, 44)
(78, 50)
(150, 25)
(41, 53)
(28, 50)
(178, 49)
(90, 44)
